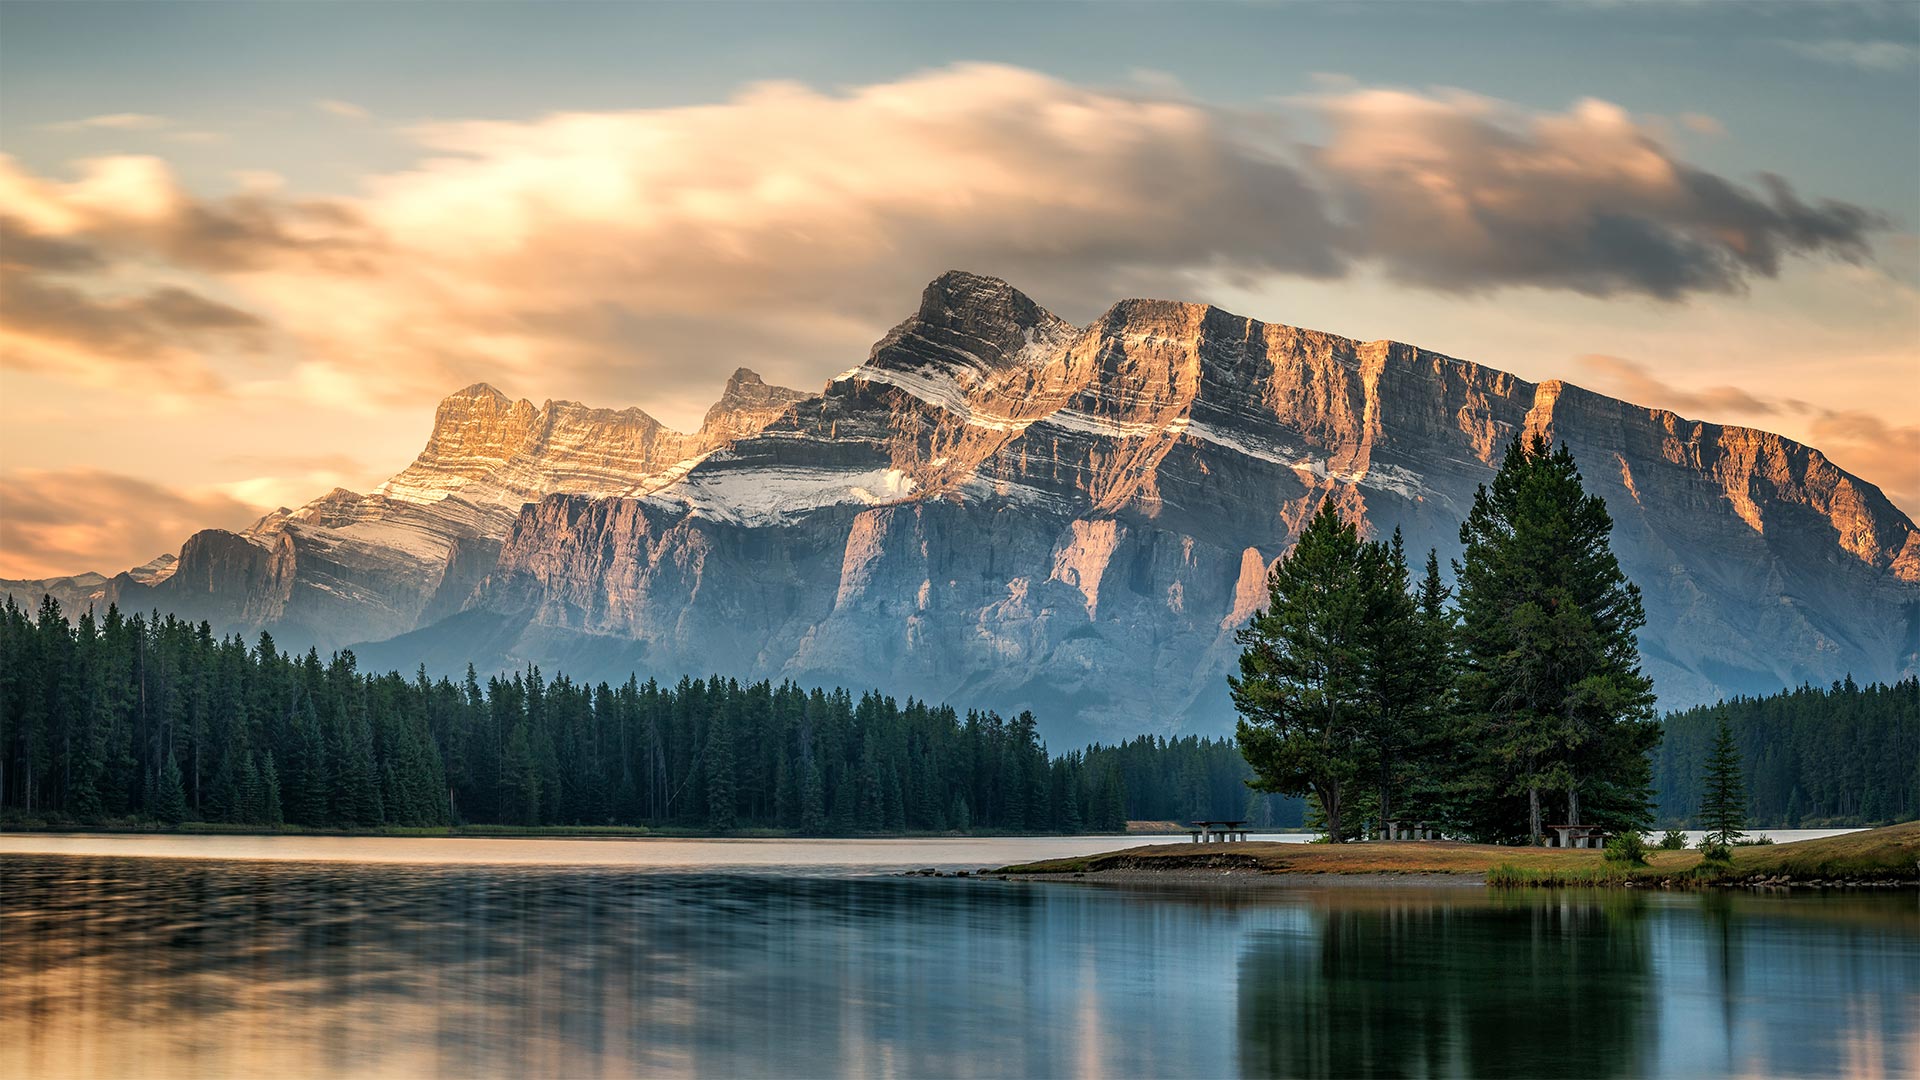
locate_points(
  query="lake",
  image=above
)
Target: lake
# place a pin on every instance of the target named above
(297, 956)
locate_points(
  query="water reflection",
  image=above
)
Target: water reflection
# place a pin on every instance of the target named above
(202, 968)
(1590, 985)
(1514, 988)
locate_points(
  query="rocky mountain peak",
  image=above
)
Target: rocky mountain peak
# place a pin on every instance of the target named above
(745, 389)
(957, 296)
(972, 326)
(477, 391)
(746, 406)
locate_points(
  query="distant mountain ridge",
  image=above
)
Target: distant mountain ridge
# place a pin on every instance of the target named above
(1003, 509)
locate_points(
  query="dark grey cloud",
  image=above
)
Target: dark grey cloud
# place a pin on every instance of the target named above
(163, 334)
(1460, 194)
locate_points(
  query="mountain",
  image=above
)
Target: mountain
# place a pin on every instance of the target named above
(1002, 509)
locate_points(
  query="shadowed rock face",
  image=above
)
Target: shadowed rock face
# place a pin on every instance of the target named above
(1003, 510)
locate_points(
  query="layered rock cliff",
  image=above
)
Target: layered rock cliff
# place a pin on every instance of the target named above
(1002, 509)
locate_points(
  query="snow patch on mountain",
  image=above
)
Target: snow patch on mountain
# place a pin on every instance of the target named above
(770, 495)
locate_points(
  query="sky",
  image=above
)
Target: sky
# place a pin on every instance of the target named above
(245, 248)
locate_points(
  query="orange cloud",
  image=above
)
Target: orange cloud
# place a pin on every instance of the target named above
(1884, 453)
(1633, 382)
(54, 522)
(782, 228)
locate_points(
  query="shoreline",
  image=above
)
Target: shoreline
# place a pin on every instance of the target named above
(552, 832)
(1888, 856)
(1243, 879)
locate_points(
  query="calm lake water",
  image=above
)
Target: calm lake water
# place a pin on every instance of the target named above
(201, 956)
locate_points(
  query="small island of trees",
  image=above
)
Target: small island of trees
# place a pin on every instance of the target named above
(1379, 700)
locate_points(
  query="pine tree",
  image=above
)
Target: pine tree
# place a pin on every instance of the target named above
(521, 776)
(722, 790)
(271, 812)
(1723, 804)
(1301, 691)
(170, 795)
(356, 780)
(307, 783)
(1402, 683)
(813, 802)
(1550, 677)
(251, 805)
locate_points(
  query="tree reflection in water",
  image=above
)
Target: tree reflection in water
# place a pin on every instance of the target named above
(1474, 989)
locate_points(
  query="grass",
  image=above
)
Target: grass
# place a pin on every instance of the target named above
(1508, 876)
(1886, 854)
(1890, 853)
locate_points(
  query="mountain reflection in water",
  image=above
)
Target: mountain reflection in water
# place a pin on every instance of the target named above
(131, 967)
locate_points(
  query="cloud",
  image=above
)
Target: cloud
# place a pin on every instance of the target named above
(132, 206)
(1886, 454)
(110, 122)
(122, 274)
(1870, 446)
(1463, 194)
(58, 520)
(345, 109)
(1865, 55)
(653, 250)
(1633, 382)
(162, 334)
(1701, 124)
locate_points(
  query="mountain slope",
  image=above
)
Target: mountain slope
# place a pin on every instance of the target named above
(1000, 508)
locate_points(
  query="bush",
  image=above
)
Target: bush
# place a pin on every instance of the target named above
(1675, 840)
(1627, 849)
(1753, 841)
(1718, 854)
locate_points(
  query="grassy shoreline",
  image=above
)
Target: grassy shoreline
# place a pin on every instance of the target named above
(1873, 856)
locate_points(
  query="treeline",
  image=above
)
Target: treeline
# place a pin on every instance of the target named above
(153, 718)
(1843, 755)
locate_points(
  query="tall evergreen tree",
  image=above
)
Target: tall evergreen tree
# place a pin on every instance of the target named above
(270, 806)
(1402, 682)
(1723, 805)
(520, 774)
(1550, 677)
(1435, 746)
(1302, 688)
(722, 792)
(170, 793)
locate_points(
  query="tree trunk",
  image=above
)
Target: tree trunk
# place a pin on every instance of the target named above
(1330, 801)
(1573, 804)
(1533, 814)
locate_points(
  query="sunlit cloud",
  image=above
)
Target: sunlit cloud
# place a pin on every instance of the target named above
(1886, 453)
(127, 121)
(61, 521)
(1701, 124)
(345, 109)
